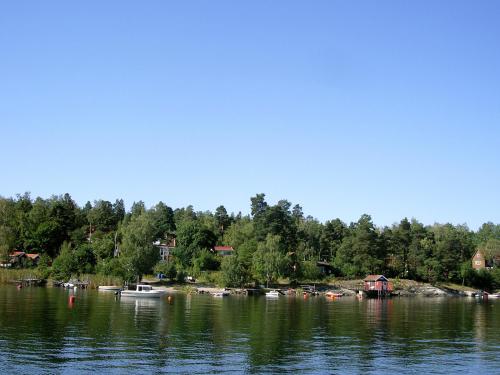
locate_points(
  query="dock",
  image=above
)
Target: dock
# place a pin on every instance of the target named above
(31, 281)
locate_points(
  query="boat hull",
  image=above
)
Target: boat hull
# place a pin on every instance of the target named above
(136, 294)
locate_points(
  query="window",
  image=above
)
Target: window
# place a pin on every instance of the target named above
(478, 262)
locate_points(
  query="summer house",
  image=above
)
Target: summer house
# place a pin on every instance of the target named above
(224, 250)
(377, 285)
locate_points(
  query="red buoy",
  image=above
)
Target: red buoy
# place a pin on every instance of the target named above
(71, 299)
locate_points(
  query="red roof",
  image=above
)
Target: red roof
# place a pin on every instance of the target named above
(375, 278)
(223, 248)
(33, 256)
(17, 253)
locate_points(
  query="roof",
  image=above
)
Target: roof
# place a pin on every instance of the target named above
(223, 248)
(375, 278)
(33, 256)
(323, 264)
(17, 253)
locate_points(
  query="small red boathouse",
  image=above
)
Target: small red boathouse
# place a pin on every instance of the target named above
(377, 285)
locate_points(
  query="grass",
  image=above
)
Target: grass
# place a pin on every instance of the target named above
(97, 279)
(9, 275)
(459, 287)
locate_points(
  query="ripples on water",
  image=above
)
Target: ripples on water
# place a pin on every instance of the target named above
(41, 333)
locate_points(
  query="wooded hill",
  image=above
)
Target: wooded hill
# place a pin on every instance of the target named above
(274, 241)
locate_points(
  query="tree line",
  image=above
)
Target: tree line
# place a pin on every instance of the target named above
(272, 242)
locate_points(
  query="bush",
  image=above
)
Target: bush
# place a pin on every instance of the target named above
(168, 269)
(111, 267)
(181, 274)
(234, 273)
(310, 271)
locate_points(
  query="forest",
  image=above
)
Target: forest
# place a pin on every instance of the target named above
(273, 242)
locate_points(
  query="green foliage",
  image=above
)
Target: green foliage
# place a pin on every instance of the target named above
(192, 238)
(103, 245)
(205, 261)
(181, 273)
(162, 218)
(269, 263)
(65, 264)
(169, 269)
(361, 252)
(112, 267)
(234, 273)
(310, 271)
(274, 241)
(138, 254)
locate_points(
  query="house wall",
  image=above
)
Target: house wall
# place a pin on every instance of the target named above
(478, 261)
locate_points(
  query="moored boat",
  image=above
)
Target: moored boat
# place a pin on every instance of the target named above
(223, 293)
(273, 294)
(142, 291)
(331, 294)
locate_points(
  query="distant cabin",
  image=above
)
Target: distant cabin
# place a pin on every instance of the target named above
(480, 261)
(224, 250)
(325, 268)
(35, 258)
(377, 284)
(166, 249)
(20, 259)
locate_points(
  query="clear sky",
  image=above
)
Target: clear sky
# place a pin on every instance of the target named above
(389, 108)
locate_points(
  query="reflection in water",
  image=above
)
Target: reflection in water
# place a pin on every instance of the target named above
(198, 333)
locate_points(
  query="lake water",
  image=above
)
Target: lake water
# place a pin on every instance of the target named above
(41, 332)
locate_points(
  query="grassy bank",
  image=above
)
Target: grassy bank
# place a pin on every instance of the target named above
(94, 280)
(9, 275)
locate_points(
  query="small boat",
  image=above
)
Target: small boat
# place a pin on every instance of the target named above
(224, 293)
(495, 295)
(142, 291)
(331, 294)
(273, 294)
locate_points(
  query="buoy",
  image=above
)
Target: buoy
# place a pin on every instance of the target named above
(19, 286)
(170, 299)
(71, 299)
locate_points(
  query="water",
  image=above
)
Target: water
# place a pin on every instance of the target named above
(40, 332)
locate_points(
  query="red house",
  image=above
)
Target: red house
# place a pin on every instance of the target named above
(224, 250)
(377, 285)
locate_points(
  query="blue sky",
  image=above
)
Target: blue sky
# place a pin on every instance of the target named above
(388, 108)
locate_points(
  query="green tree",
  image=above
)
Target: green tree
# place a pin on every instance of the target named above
(360, 253)
(65, 264)
(163, 220)
(138, 254)
(192, 238)
(102, 216)
(332, 236)
(269, 263)
(234, 272)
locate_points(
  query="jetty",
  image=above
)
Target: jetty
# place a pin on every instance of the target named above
(30, 281)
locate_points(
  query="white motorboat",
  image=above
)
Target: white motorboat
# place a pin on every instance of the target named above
(220, 294)
(273, 294)
(143, 291)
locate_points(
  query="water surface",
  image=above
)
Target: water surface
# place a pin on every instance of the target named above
(41, 332)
